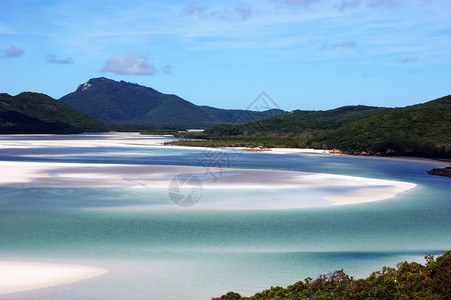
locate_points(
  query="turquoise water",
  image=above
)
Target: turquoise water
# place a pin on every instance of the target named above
(157, 250)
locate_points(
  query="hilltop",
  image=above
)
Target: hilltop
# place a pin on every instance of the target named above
(132, 104)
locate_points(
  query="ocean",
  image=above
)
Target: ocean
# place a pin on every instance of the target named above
(156, 249)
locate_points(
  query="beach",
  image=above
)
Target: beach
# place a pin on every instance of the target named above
(18, 276)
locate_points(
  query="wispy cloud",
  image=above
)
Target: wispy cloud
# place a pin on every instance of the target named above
(347, 4)
(340, 45)
(13, 51)
(53, 59)
(350, 4)
(296, 2)
(129, 64)
(5, 30)
(242, 12)
(408, 60)
(379, 3)
(166, 69)
(194, 9)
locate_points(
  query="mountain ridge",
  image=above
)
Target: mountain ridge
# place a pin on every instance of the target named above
(120, 102)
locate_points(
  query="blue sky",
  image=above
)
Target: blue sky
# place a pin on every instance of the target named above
(305, 54)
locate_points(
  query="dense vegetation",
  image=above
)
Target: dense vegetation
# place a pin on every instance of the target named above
(39, 113)
(132, 104)
(423, 130)
(299, 123)
(407, 281)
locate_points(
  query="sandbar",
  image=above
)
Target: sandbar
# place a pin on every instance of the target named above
(79, 175)
(16, 276)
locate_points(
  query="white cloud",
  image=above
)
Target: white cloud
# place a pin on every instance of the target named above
(129, 64)
(52, 59)
(13, 51)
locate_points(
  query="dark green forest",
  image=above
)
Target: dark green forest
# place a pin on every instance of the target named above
(406, 281)
(423, 129)
(38, 113)
(420, 130)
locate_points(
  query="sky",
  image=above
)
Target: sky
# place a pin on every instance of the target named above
(304, 54)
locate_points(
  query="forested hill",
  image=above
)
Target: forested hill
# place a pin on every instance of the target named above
(300, 123)
(38, 113)
(423, 129)
(132, 104)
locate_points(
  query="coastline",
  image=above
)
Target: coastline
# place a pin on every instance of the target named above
(434, 161)
(442, 162)
(17, 276)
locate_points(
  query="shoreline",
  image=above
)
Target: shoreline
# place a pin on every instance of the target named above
(110, 139)
(442, 162)
(19, 276)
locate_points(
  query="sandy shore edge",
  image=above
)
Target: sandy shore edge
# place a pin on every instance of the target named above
(413, 159)
(17, 276)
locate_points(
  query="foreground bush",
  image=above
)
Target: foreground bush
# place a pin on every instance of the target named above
(407, 281)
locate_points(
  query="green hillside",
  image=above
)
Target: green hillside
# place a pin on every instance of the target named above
(299, 123)
(131, 104)
(423, 129)
(38, 113)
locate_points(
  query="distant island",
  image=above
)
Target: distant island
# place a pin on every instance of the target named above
(407, 281)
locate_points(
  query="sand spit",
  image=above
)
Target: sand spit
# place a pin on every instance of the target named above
(24, 276)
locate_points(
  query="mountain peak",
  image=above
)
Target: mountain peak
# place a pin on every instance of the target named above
(90, 83)
(84, 86)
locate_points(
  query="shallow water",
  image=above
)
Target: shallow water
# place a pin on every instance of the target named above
(157, 250)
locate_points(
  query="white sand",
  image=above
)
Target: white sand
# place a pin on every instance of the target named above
(37, 174)
(23, 276)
